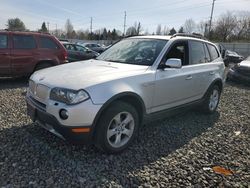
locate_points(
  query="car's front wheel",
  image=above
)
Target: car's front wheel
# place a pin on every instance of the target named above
(116, 127)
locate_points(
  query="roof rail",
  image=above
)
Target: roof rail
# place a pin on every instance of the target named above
(25, 31)
(194, 35)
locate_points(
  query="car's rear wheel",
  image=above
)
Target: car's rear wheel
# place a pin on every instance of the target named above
(116, 128)
(212, 100)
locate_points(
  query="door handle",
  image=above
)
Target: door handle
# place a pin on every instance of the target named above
(189, 77)
(212, 73)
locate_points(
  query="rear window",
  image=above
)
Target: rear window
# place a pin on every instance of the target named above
(24, 42)
(197, 53)
(213, 52)
(46, 42)
(3, 41)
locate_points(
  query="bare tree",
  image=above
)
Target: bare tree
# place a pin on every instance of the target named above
(166, 30)
(131, 31)
(202, 28)
(138, 28)
(189, 26)
(158, 30)
(242, 27)
(225, 26)
(69, 28)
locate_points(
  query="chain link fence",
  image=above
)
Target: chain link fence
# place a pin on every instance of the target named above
(240, 48)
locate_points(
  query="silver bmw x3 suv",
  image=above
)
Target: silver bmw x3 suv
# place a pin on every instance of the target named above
(105, 100)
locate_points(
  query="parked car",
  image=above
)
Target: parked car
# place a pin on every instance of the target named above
(104, 101)
(228, 55)
(240, 72)
(22, 53)
(77, 52)
(96, 47)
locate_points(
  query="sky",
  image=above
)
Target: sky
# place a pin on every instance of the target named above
(110, 13)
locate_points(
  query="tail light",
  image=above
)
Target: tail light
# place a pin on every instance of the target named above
(65, 56)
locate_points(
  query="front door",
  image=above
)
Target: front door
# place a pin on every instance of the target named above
(5, 66)
(174, 86)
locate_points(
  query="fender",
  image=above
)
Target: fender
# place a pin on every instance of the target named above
(115, 98)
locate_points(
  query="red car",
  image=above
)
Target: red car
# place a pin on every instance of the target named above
(22, 53)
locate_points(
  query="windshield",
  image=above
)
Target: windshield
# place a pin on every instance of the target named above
(134, 51)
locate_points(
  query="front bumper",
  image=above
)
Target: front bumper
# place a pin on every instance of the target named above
(50, 123)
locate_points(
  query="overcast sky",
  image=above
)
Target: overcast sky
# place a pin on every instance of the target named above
(110, 13)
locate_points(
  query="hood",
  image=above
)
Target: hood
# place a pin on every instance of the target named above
(82, 74)
(245, 63)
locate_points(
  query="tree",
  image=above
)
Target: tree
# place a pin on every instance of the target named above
(138, 28)
(181, 30)
(69, 28)
(15, 24)
(225, 26)
(43, 28)
(158, 30)
(131, 31)
(114, 34)
(165, 30)
(172, 31)
(189, 26)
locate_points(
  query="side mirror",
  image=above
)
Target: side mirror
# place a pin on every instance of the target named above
(173, 63)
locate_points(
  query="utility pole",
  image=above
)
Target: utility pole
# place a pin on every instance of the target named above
(56, 31)
(48, 26)
(91, 22)
(211, 17)
(124, 25)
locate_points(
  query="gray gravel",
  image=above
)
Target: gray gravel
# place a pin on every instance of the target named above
(177, 152)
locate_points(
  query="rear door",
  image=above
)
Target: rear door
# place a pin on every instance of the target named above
(23, 53)
(5, 65)
(204, 68)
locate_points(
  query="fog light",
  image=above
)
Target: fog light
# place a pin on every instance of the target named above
(63, 114)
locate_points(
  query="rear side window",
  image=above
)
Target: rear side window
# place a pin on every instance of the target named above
(24, 42)
(3, 41)
(213, 52)
(46, 42)
(197, 53)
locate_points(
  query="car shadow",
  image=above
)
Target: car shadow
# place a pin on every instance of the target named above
(238, 84)
(13, 83)
(38, 150)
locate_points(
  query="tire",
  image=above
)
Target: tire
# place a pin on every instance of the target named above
(113, 135)
(42, 66)
(212, 100)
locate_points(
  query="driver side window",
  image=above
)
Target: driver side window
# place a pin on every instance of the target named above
(180, 51)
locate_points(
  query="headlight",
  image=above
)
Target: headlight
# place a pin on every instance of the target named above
(68, 96)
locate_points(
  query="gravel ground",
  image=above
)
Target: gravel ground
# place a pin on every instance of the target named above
(176, 152)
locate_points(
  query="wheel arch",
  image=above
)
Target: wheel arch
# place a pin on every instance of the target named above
(218, 82)
(129, 97)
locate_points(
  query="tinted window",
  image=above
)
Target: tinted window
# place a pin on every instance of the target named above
(179, 51)
(207, 53)
(197, 53)
(24, 42)
(3, 41)
(69, 47)
(80, 48)
(46, 42)
(213, 52)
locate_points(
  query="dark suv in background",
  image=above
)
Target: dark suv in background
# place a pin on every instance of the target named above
(22, 53)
